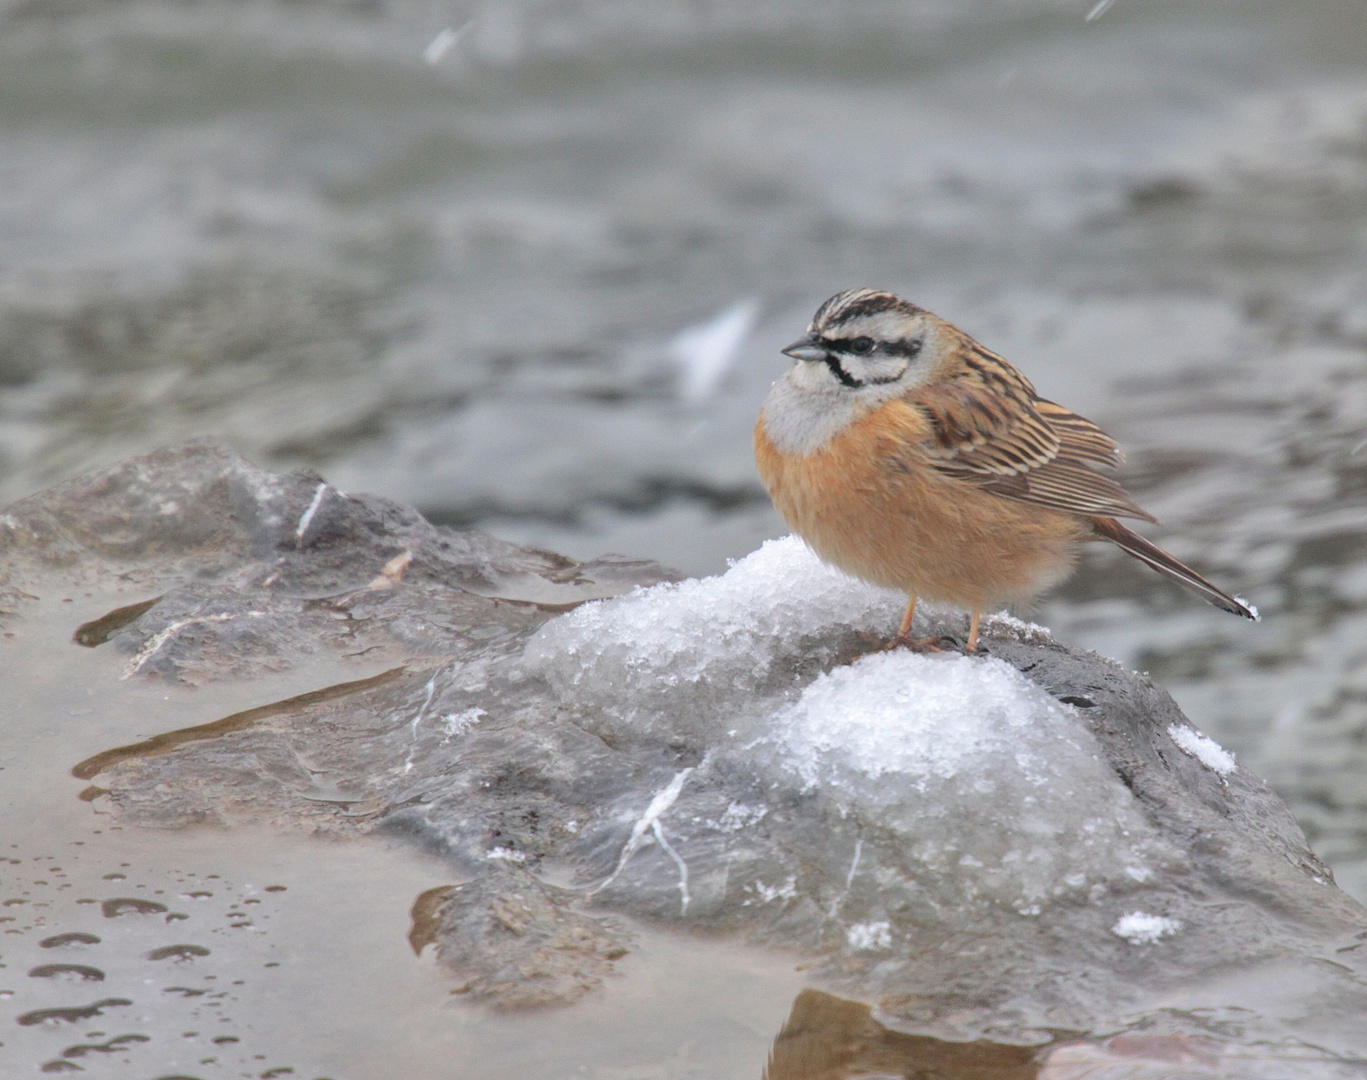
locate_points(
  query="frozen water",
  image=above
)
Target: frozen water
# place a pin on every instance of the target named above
(1139, 928)
(1203, 748)
(917, 716)
(722, 636)
(988, 778)
(727, 635)
(868, 937)
(977, 772)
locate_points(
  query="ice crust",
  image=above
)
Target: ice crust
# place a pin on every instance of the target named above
(989, 788)
(918, 716)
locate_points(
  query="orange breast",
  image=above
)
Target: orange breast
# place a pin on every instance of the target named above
(867, 503)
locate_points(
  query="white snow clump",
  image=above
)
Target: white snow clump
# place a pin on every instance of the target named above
(722, 634)
(987, 787)
(916, 716)
(868, 937)
(1139, 928)
(1205, 750)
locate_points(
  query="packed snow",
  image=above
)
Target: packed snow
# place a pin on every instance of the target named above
(915, 716)
(1205, 750)
(985, 786)
(727, 634)
(1139, 928)
(704, 645)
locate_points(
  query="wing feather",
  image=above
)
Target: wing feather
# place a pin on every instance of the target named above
(988, 426)
(1063, 485)
(1082, 440)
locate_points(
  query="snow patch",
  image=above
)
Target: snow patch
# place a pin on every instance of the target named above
(455, 724)
(505, 854)
(865, 937)
(720, 636)
(1205, 750)
(769, 893)
(988, 789)
(1140, 928)
(913, 715)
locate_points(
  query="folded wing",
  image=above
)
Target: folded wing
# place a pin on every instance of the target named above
(988, 426)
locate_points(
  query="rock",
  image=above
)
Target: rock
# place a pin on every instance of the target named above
(1029, 839)
(518, 942)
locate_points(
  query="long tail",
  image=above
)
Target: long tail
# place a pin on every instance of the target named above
(1109, 529)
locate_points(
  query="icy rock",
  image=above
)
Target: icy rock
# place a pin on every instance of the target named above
(254, 571)
(957, 838)
(516, 940)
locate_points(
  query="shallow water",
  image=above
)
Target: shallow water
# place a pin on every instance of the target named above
(198, 941)
(458, 283)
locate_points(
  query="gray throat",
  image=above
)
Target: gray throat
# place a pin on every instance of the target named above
(805, 410)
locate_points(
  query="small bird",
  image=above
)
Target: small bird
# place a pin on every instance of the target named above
(908, 455)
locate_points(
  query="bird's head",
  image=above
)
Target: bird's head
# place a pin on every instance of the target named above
(864, 338)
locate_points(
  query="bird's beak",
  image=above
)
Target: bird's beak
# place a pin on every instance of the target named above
(805, 349)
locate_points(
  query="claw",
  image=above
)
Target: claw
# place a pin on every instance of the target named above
(916, 645)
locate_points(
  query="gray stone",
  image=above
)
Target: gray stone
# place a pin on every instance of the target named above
(571, 782)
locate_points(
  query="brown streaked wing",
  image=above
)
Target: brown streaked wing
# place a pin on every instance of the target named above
(1082, 440)
(1001, 439)
(980, 433)
(1065, 485)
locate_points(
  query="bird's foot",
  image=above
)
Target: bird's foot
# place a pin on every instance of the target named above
(917, 645)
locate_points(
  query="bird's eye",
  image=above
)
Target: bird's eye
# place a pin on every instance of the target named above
(861, 346)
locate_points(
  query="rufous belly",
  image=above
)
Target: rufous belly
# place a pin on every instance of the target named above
(866, 504)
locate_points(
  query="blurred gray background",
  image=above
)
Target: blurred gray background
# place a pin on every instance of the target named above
(528, 264)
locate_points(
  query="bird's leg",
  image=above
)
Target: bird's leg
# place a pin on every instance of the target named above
(972, 645)
(930, 644)
(904, 631)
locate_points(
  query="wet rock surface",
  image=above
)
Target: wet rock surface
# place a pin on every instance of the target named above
(1032, 839)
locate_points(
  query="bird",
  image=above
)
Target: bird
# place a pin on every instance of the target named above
(910, 456)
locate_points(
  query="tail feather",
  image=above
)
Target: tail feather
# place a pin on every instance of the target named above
(1109, 529)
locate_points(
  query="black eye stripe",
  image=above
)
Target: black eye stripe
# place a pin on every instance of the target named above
(907, 348)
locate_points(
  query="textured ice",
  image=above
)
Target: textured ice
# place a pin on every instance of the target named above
(988, 778)
(729, 631)
(1203, 748)
(983, 778)
(917, 716)
(723, 636)
(1140, 928)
